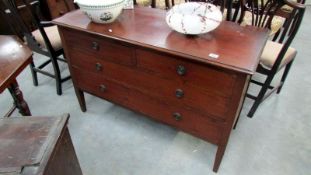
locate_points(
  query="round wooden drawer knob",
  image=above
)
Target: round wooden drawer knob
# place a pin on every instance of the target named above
(181, 70)
(102, 88)
(98, 67)
(95, 45)
(179, 93)
(177, 116)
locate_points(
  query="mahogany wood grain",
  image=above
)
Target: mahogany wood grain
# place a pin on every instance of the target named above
(201, 98)
(237, 98)
(215, 80)
(110, 50)
(100, 86)
(14, 57)
(148, 68)
(147, 28)
(191, 121)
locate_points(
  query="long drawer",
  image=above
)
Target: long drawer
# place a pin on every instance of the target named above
(206, 77)
(186, 120)
(172, 91)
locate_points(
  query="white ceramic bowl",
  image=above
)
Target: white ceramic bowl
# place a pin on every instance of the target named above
(194, 18)
(101, 11)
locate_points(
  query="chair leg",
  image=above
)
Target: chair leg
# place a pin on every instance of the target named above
(34, 74)
(57, 76)
(260, 96)
(284, 76)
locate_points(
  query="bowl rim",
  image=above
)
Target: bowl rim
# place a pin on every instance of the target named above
(100, 6)
(177, 13)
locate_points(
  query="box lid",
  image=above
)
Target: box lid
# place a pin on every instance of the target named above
(24, 141)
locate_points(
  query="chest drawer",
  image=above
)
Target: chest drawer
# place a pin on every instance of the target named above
(178, 117)
(113, 51)
(99, 86)
(193, 74)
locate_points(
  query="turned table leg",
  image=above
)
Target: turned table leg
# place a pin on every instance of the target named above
(18, 98)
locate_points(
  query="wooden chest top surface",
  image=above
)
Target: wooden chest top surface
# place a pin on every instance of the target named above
(24, 141)
(238, 47)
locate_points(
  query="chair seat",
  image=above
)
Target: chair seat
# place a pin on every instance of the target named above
(144, 2)
(53, 35)
(271, 51)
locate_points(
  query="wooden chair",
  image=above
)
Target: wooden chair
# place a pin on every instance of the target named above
(167, 4)
(44, 39)
(277, 54)
(162, 4)
(58, 8)
(224, 5)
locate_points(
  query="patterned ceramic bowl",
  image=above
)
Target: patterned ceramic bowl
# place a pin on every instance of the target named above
(101, 11)
(194, 18)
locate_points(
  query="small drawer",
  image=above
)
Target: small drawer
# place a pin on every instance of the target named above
(193, 74)
(86, 61)
(186, 120)
(99, 86)
(101, 48)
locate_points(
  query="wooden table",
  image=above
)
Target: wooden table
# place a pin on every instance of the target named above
(140, 63)
(37, 146)
(14, 57)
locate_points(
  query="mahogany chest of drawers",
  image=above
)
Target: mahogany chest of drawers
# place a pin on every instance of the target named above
(139, 63)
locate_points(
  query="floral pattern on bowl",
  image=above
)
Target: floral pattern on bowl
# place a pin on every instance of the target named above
(194, 18)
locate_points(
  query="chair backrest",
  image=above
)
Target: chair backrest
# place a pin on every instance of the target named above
(279, 16)
(24, 28)
(167, 4)
(221, 3)
(59, 7)
(9, 19)
(282, 17)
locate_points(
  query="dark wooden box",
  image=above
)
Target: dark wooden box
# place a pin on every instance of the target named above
(37, 146)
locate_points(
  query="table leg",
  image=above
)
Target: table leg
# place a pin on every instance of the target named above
(219, 154)
(81, 99)
(18, 98)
